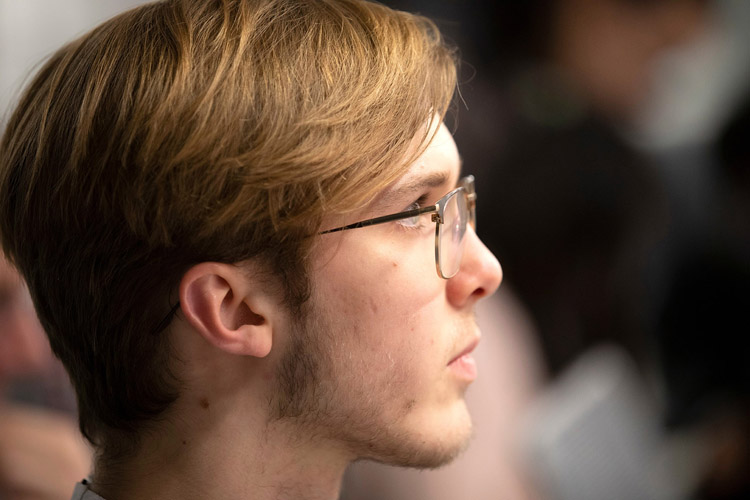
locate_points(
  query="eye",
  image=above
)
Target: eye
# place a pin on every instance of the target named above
(417, 221)
(411, 222)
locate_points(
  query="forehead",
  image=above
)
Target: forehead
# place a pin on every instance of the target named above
(438, 166)
(435, 171)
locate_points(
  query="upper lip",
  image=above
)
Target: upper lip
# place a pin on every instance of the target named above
(469, 347)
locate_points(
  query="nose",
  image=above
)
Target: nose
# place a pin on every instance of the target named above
(479, 276)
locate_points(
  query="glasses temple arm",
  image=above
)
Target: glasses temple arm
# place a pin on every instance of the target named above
(384, 219)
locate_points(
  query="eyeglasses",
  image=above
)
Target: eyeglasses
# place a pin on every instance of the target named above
(450, 214)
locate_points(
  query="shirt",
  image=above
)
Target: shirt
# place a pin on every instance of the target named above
(82, 492)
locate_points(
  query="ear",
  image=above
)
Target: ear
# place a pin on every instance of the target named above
(231, 311)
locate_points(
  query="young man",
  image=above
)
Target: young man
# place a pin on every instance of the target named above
(199, 195)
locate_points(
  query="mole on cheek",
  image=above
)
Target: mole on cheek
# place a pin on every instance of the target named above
(204, 403)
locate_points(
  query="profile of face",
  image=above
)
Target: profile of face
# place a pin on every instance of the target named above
(380, 362)
(23, 347)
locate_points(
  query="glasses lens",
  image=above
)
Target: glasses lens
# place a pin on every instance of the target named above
(452, 232)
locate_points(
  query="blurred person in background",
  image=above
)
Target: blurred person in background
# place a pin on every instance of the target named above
(41, 449)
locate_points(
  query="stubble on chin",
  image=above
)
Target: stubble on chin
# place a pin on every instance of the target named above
(313, 398)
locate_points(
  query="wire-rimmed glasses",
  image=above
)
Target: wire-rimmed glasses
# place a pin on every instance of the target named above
(451, 215)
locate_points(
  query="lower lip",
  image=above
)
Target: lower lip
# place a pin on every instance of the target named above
(465, 367)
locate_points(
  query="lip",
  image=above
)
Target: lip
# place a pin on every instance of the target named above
(463, 366)
(468, 350)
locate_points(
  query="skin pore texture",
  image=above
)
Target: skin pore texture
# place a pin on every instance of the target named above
(276, 405)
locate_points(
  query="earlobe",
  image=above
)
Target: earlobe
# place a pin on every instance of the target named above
(219, 303)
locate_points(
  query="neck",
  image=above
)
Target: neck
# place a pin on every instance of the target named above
(225, 453)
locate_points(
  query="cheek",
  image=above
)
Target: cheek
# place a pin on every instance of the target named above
(387, 284)
(383, 312)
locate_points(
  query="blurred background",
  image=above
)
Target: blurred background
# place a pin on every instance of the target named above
(611, 144)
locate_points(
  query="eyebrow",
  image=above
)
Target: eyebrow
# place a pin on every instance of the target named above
(432, 180)
(418, 183)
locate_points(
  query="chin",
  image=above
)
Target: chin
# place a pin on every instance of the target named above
(424, 442)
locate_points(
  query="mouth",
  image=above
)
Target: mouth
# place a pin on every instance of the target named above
(464, 365)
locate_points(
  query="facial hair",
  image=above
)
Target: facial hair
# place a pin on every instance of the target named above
(324, 402)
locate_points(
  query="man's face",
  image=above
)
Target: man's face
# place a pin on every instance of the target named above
(383, 331)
